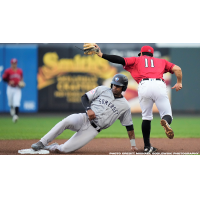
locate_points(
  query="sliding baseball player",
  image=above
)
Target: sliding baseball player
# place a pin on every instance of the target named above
(103, 107)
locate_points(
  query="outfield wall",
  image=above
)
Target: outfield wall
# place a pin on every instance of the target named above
(57, 75)
(187, 100)
(27, 57)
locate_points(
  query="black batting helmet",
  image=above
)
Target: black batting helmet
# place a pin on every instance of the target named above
(120, 80)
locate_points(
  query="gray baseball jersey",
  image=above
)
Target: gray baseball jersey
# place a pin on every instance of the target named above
(107, 108)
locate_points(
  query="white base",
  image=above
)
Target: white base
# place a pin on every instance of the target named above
(31, 151)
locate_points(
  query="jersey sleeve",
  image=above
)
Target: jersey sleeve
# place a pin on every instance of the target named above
(126, 118)
(168, 67)
(93, 94)
(129, 63)
(5, 75)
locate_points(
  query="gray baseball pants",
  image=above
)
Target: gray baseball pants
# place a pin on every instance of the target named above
(76, 122)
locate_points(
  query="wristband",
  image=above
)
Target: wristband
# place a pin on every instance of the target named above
(88, 108)
(133, 142)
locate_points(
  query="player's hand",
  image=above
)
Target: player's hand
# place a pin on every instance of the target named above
(11, 83)
(91, 114)
(177, 86)
(134, 149)
(100, 53)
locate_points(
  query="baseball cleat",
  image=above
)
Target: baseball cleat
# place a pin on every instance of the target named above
(37, 146)
(15, 118)
(168, 130)
(150, 149)
(52, 147)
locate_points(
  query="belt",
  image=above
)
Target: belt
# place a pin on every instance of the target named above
(147, 79)
(95, 126)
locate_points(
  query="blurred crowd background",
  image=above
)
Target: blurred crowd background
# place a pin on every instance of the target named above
(57, 75)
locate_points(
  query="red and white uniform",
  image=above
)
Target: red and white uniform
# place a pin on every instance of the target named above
(147, 67)
(150, 91)
(13, 75)
(13, 92)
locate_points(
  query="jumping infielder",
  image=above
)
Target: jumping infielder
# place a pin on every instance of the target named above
(13, 76)
(103, 106)
(148, 72)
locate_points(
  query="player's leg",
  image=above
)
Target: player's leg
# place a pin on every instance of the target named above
(12, 111)
(167, 118)
(73, 122)
(78, 140)
(146, 130)
(145, 100)
(146, 104)
(16, 102)
(164, 107)
(147, 117)
(10, 93)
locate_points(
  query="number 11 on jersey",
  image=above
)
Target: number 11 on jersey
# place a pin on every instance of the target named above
(146, 63)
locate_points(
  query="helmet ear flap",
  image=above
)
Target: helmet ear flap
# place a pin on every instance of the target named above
(124, 88)
(111, 86)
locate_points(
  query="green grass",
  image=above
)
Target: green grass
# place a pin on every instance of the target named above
(36, 127)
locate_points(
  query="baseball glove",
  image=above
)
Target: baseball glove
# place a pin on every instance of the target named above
(90, 49)
(21, 84)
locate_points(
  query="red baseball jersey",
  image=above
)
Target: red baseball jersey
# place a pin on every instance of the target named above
(11, 74)
(147, 67)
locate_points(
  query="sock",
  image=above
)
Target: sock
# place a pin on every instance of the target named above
(146, 129)
(16, 110)
(168, 118)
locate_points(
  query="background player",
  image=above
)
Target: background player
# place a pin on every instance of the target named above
(103, 106)
(13, 76)
(148, 72)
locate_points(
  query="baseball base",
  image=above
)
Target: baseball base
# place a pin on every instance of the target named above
(31, 151)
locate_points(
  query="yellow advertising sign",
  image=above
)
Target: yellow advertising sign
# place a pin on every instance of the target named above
(63, 72)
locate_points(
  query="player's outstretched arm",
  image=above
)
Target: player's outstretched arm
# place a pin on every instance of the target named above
(178, 72)
(111, 58)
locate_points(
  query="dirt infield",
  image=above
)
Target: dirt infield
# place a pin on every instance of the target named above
(113, 146)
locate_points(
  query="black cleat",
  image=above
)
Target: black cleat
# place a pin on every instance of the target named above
(150, 149)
